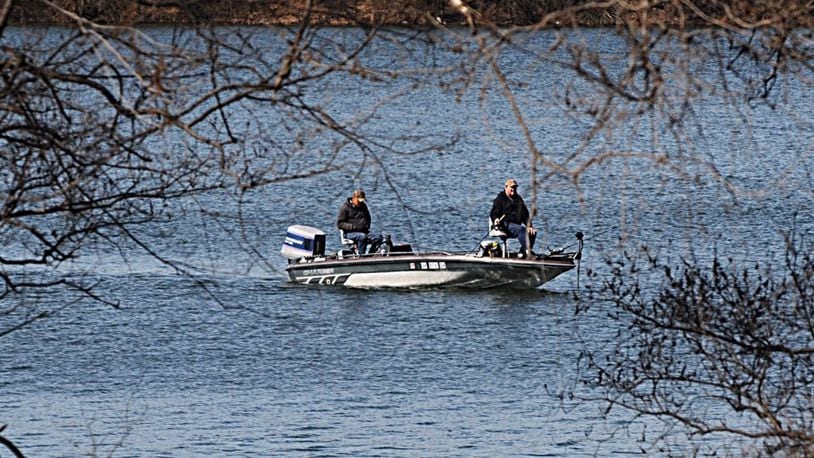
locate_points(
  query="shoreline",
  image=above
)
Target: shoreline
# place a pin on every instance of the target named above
(370, 13)
(359, 13)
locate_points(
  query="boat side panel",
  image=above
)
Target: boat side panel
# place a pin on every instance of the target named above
(428, 271)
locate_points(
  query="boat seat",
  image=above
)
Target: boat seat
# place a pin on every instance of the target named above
(503, 236)
(347, 244)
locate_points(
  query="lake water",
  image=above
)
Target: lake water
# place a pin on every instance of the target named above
(266, 368)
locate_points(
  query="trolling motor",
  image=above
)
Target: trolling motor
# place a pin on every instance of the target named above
(579, 236)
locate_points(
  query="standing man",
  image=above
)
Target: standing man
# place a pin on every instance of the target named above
(510, 213)
(354, 219)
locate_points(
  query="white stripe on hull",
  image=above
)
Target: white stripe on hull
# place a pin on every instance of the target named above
(404, 279)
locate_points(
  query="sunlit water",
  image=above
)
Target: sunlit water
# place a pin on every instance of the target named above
(254, 366)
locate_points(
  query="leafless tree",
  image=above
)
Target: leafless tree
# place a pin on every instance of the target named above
(9, 445)
(711, 345)
(677, 53)
(724, 350)
(103, 127)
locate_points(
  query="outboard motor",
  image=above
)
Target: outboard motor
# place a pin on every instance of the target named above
(303, 241)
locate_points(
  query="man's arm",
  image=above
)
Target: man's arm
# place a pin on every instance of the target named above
(342, 219)
(367, 220)
(526, 215)
(496, 211)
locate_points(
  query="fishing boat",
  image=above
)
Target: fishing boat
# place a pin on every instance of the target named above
(491, 265)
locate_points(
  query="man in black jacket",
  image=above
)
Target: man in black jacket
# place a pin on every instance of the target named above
(354, 220)
(511, 214)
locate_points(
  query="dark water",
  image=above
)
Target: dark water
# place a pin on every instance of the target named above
(269, 369)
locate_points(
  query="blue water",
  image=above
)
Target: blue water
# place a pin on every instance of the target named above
(235, 361)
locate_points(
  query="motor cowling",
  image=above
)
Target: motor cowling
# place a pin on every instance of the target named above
(303, 241)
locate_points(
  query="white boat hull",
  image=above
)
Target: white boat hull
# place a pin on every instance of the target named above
(430, 270)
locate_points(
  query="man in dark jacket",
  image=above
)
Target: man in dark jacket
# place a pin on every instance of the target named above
(511, 214)
(354, 220)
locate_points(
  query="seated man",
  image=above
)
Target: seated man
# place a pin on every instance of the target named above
(510, 212)
(354, 219)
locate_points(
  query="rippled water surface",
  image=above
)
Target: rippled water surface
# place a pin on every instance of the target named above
(254, 366)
